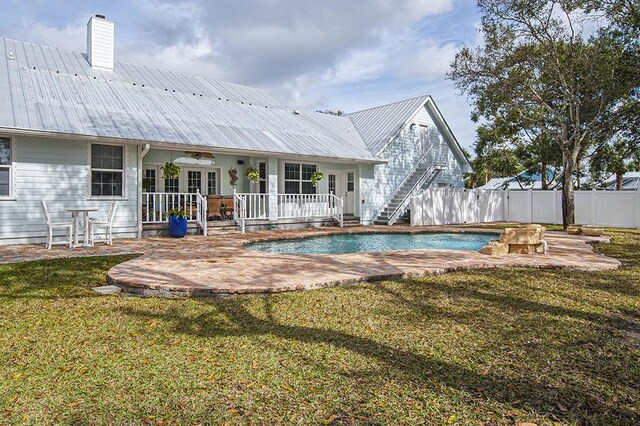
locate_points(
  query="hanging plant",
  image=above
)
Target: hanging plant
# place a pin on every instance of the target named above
(315, 177)
(170, 170)
(233, 177)
(252, 174)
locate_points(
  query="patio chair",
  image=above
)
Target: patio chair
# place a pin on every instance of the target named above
(53, 225)
(214, 205)
(105, 224)
(228, 208)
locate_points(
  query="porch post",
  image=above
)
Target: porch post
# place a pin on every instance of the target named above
(272, 185)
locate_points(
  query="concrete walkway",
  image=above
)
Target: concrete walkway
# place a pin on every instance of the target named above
(220, 266)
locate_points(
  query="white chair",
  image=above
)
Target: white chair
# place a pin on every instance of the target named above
(52, 225)
(106, 224)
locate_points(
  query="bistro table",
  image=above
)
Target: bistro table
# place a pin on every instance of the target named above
(75, 213)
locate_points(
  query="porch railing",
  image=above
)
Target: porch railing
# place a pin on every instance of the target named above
(308, 205)
(156, 206)
(201, 216)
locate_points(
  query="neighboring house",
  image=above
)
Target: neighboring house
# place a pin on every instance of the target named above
(630, 182)
(524, 180)
(82, 130)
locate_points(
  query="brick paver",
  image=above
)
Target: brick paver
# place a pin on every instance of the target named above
(220, 266)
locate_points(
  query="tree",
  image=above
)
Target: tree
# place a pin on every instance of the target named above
(537, 76)
(616, 158)
(339, 113)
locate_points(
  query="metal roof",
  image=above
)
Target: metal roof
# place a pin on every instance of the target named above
(379, 125)
(55, 90)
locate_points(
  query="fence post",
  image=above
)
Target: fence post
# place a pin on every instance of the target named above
(637, 209)
(555, 206)
(530, 205)
(594, 207)
(507, 208)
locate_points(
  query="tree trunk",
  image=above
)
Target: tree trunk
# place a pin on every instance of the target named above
(543, 176)
(568, 201)
(618, 182)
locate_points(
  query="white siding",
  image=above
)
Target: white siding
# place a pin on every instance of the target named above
(57, 171)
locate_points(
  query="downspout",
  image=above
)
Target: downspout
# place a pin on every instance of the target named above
(141, 154)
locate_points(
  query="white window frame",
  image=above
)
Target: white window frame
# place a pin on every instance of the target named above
(300, 163)
(125, 162)
(12, 169)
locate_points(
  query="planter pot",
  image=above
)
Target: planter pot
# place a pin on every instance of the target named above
(177, 226)
(592, 230)
(574, 229)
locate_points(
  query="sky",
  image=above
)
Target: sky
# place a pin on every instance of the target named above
(331, 54)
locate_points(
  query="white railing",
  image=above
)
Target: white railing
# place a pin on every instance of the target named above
(338, 209)
(201, 216)
(308, 205)
(257, 205)
(239, 210)
(156, 205)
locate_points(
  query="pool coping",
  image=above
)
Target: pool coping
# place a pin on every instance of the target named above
(220, 266)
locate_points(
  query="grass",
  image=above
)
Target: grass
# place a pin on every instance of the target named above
(478, 347)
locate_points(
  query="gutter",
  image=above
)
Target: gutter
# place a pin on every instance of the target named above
(142, 152)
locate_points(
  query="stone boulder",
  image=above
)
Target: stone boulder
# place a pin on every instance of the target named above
(495, 248)
(527, 234)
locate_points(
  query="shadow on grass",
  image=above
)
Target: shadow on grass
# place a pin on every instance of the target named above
(56, 278)
(571, 401)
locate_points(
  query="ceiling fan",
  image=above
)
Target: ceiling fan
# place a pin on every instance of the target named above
(199, 155)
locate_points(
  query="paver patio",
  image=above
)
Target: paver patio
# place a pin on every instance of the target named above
(221, 266)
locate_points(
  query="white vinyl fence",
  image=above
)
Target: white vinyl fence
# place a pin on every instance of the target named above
(440, 206)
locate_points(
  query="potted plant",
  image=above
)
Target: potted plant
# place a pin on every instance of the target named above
(315, 177)
(170, 170)
(177, 223)
(252, 174)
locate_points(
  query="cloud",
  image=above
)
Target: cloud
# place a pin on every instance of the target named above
(339, 54)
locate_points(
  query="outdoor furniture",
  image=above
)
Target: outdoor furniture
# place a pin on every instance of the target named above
(52, 225)
(105, 224)
(214, 207)
(227, 211)
(75, 213)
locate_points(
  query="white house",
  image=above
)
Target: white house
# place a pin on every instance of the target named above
(83, 129)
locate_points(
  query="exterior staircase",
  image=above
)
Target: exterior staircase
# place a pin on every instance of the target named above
(396, 205)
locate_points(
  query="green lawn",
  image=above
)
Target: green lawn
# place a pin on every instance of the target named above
(483, 347)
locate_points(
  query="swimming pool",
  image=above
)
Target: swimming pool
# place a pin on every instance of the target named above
(375, 242)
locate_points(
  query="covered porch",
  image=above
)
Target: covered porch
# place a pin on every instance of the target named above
(214, 191)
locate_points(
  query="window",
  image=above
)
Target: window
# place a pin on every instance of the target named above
(6, 164)
(149, 180)
(262, 183)
(332, 184)
(350, 181)
(107, 171)
(171, 185)
(297, 178)
(194, 181)
(211, 183)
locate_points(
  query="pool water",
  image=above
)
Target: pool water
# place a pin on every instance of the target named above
(375, 242)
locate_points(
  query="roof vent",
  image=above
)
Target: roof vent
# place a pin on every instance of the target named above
(11, 57)
(296, 112)
(100, 42)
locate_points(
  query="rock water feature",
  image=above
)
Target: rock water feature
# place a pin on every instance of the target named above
(525, 239)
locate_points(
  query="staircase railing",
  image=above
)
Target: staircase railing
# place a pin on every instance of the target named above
(431, 170)
(338, 208)
(239, 210)
(419, 163)
(201, 212)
